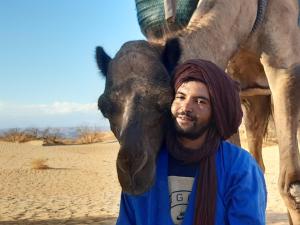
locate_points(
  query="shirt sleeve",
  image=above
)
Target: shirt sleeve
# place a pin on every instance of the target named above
(126, 214)
(246, 196)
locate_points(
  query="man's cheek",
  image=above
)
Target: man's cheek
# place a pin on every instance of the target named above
(173, 109)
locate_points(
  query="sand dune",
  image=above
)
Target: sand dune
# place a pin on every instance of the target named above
(81, 186)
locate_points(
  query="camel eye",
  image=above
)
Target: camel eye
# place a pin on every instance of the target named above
(104, 106)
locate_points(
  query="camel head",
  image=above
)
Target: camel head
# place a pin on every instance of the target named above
(136, 101)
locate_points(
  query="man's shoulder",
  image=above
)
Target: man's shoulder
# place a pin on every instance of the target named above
(234, 150)
(234, 155)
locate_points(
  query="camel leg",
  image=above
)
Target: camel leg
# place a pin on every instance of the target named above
(285, 86)
(298, 136)
(281, 60)
(256, 114)
(246, 68)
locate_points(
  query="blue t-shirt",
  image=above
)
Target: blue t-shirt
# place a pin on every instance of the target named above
(241, 193)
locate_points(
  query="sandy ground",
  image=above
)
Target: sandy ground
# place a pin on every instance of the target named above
(81, 187)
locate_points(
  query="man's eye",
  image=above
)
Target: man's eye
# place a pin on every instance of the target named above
(179, 97)
(201, 101)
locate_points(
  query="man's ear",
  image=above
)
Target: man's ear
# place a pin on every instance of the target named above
(102, 60)
(171, 54)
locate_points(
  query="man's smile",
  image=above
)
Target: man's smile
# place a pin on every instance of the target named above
(184, 120)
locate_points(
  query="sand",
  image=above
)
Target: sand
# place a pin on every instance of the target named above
(81, 186)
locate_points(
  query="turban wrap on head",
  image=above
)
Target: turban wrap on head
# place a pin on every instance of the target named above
(223, 91)
(226, 118)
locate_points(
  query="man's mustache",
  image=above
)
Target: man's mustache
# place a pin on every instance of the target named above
(187, 114)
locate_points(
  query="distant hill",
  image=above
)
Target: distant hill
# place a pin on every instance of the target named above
(65, 132)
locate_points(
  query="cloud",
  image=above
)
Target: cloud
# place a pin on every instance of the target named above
(55, 108)
(53, 114)
(65, 107)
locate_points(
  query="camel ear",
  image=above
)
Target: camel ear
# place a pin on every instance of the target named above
(171, 54)
(102, 60)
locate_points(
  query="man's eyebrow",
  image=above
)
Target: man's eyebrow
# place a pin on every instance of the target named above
(196, 97)
(179, 92)
(202, 97)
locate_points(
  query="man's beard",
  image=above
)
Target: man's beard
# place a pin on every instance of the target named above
(193, 132)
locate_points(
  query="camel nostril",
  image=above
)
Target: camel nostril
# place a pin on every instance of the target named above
(143, 163)
(121, 167)
(131, 164)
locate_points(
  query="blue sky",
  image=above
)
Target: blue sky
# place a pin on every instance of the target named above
(47, 68)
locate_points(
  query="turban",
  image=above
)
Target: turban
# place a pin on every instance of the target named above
(226, 118)
(223, 91)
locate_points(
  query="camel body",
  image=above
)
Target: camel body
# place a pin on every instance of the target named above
(266, 62)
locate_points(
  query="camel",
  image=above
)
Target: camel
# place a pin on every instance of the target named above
(259, 44)
(136, 100)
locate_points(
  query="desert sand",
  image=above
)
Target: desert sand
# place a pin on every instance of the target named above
(81, 185)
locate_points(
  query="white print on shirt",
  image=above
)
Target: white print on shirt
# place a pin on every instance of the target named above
(179, 190)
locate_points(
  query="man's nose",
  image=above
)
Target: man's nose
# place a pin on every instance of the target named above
(187, 106)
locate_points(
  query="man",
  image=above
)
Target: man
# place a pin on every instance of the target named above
(201, 179)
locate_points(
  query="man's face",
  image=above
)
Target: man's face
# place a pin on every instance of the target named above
(191, 109)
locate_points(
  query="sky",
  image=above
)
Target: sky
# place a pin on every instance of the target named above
(49, 76)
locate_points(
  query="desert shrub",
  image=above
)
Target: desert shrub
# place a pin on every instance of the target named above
(36, 133)
(13, 135)
(17, 135)
(39, 164)
(52, 136)
(88, 135)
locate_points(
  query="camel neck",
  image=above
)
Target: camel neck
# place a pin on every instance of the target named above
(215, 35)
